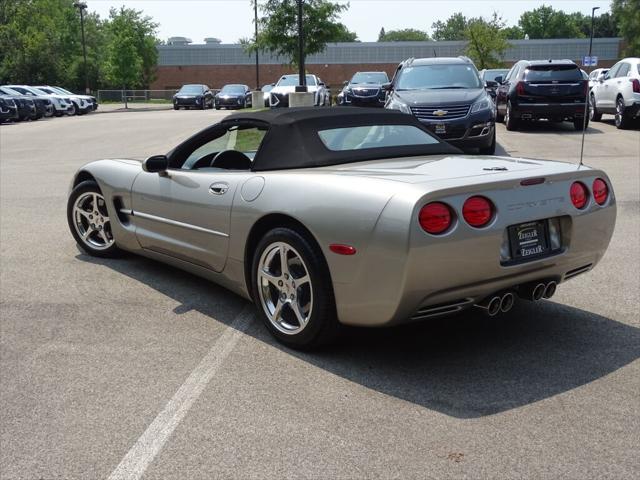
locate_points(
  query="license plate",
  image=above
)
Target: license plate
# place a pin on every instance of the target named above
(441, 128)
(529, 240)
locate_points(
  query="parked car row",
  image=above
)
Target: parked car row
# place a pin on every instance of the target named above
(617, 91)
(24, 102)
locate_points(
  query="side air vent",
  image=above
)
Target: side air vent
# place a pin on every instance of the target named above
(442, 309)
(577, 271)
(123, 213)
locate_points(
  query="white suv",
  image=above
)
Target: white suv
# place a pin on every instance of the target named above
(618, 93)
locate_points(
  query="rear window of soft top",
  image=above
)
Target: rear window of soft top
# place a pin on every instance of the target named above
(563, 73)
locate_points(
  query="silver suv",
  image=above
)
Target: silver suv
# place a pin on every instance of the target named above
(618, 93)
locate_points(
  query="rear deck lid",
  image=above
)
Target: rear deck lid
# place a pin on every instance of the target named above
(553, 83)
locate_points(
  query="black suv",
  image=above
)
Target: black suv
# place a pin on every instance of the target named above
(193, 96)
(534, 89)
(364, 89)
(447, 95)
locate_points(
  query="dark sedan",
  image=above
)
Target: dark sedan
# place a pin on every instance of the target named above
(488, 76)
(25, 105)
(193, 96)
(233, 96)
(364, 89)
(8, 109)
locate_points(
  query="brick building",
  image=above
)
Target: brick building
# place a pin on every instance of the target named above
(216, 64)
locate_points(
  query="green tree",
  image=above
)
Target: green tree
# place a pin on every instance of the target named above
(278, 28)
(404, 35)
(381, 34)
(486, 41)
(545, 22)
(513, 33)
(451, 29)
(627, 13)
(132, 36)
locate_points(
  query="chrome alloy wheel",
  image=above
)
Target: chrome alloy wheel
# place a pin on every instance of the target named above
(285, 288)
(91, 221)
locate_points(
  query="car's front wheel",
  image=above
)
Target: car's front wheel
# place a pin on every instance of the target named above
(491, 149)
(292, 290)
(89, 220)
(594, 114)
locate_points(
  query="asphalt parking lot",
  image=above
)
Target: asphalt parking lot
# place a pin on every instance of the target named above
(128, 368)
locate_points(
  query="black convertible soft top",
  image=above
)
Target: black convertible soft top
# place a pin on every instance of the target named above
(292, 139)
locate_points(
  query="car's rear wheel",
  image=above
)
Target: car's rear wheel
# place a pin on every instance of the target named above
(594, 114)
(176, 107)
(76, 109)
(580, 124)
(510, 122)
(89, 220)
(292, 289)
(622, 118)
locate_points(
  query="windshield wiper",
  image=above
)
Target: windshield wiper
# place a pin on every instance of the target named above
(445, 88)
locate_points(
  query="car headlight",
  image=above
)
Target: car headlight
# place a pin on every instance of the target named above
(394, 104)
(481, 105)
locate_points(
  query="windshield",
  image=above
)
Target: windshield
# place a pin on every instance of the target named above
(438, 77)
(493, 74)
(370, 77)
(48, 90)
(191, 89)
(10, 91)
(62, 90)
(267, 88)
(292, 80)
(232, 89)
(541, 73)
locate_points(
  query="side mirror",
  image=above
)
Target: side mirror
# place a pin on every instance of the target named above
(273, 84)
(345, 83)
(491, 84)
(156, 164)
(387, 87)
(498, 79)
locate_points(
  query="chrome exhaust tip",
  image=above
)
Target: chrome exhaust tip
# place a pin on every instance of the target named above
(507, 301)
(550, 289)
(490, 305)
(538, 291)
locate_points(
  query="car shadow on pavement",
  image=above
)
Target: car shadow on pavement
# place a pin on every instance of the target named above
(565, 128)
(468, 366)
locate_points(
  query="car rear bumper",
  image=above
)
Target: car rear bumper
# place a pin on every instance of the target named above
(535, 111)
(413, 276)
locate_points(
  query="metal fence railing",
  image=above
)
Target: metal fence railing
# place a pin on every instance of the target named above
(135, 96)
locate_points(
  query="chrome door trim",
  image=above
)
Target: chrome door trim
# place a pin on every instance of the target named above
(175, 223)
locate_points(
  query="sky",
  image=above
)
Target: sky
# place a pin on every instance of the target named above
(230, 20)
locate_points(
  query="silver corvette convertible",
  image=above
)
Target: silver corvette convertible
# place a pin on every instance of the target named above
(325, 217)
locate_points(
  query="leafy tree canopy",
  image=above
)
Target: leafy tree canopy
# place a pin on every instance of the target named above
(278, 28)
(451, 29)
(404, 35)
(545, 22)
(627, 13)
(486, 41)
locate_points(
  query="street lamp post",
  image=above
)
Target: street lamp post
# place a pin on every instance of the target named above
(255, 5)
(82, 6)
(302, 81)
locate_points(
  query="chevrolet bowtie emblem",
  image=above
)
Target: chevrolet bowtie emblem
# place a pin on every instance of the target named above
(440, 113)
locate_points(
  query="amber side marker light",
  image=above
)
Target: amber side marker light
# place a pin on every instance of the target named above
(342, 249)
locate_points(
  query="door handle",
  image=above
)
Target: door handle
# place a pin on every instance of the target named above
(219, 188)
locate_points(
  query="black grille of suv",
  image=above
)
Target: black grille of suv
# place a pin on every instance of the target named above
(443, 113)
(365, 92)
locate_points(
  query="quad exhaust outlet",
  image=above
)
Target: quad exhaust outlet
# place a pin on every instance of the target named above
(495, 304)
(535, 291)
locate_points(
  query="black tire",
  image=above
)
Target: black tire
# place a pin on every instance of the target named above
(579, 124)
(175, 107)
(76, 109)
(594, 114)
(510, 122)
(623, 119)
(491, 149)
(88, 187)
(217, 107)
(322, 326)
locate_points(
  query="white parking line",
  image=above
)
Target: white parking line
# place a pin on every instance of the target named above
(136, 461)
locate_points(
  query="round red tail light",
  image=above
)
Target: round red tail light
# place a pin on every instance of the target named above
(600, 191)
(477, 211)
(579, 194)
(435, 217)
